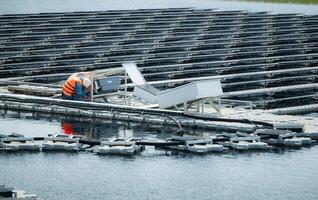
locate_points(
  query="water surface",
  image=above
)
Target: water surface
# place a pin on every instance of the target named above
(45, 6)
(161, 175)
(155, 173)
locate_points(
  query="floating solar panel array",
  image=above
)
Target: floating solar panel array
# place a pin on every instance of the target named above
(269, 59)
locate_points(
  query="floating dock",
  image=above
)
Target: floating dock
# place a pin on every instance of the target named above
(8, 193)
(261, 139)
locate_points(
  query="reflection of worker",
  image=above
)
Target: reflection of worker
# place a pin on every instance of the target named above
(71, 127)
(67, 128)
(76, 87)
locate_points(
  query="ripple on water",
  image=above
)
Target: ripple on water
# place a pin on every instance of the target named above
(287, 175)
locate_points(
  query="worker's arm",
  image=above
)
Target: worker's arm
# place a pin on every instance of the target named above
(79, 92)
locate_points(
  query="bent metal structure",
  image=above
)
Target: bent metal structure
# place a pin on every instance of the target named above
(165, 99)
(267, 59)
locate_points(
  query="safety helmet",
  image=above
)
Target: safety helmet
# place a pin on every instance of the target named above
(86, 82)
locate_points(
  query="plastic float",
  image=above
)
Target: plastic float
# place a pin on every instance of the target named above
(7, 193)
(243, 141)
(123, 146)
(195, 144)
(19, 144)
(259, 140)
(283, 137)
(61, 143)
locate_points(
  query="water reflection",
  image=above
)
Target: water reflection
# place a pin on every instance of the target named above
(35, 124)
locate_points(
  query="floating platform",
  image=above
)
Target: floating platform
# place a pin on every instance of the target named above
(283, 137)
(61, 143)
(7, 193)
(123, 112)
(119, 146)
(245, 142)
(195, 144)
(261, 139)
(19, 144)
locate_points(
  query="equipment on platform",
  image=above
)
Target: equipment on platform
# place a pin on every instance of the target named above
(193, 91)
(108, 84)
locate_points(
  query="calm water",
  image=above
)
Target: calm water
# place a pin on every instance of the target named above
(153, 174)
(40, 6)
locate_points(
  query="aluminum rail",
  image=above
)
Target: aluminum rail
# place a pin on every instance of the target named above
(174, 60)
(125, 48)
(187, 48)
(169, 46)
(231, 78)
(125, 13)
(165, 70)
(205, 28)
(154, 20)
(85, 105)
(177, 48)
(145, 22)
(28, 18)
(165, 35)
(180, 40)
(265, 82)
(161, 14)
(271, 90)
(315, 95)
(105, 29)
(308, 29)
(230, 52)
(184, 67)
(134, 13)
(184, 80)
(240, 15)
(294, 109)
(205, 34)
(102, 32)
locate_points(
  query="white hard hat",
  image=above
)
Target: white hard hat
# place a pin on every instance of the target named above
(86, 82)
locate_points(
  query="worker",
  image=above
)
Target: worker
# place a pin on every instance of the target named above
(76, 87)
